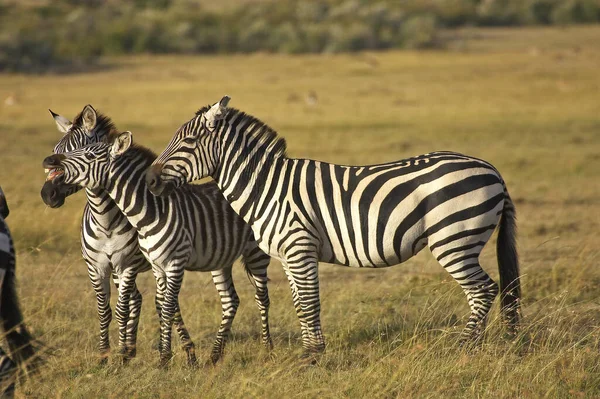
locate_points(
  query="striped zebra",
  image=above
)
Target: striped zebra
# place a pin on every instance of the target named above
(108, 241)
(193, 229)
(303, 212)
(18, 337)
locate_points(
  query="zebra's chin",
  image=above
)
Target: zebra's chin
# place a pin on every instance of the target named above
(52, 195)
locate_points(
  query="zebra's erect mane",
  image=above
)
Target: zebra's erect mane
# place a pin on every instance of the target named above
(104, 125)
(261, 134)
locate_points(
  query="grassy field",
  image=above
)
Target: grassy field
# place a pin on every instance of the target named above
(525, 100)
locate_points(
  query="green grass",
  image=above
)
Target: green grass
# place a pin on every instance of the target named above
(518, 98)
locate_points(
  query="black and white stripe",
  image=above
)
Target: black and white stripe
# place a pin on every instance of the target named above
(193, 229)
(304, 211)
(108, 241)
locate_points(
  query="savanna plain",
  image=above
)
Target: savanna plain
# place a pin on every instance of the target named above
(525, 100)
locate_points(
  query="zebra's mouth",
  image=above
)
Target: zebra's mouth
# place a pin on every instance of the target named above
(54, 173)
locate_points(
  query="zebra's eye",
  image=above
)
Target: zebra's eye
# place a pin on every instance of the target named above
(88, 155)
(190, 139)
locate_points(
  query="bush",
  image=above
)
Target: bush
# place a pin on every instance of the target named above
(78, 32)
(419, 32)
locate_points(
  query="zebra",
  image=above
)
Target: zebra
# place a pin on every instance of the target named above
(194, 229)
(20, 341)
(303, 211)
(108, 241)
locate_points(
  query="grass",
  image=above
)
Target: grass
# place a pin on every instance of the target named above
(524, 99)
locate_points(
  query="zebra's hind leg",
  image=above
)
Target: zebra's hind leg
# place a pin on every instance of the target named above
(480, 289)
(184, 337)
(459, 255)
(101, 285)
(257, 262)
(229, 304)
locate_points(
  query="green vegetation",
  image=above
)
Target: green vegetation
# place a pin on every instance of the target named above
(72, 34)
(524, 99)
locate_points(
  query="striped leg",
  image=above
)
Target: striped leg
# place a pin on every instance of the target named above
(8, 370)
(122, 310)
(257, 263)
(169, 309)
(479, 288)
(135, 309)
(158, 301)
(459, 255)
(101, 286)
(303, 267)
(297, 305)
(229, 305)
(184, 335)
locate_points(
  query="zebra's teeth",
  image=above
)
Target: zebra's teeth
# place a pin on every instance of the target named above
(46, 170)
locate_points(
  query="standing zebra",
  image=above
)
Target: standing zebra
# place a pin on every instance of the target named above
(304, 211)
(109, 242)
(17, 335)
(193, 229)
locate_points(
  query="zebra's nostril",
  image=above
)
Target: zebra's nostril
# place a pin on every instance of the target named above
(52, 194)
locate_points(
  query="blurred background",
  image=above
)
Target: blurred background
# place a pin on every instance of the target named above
(514, 82)
(64, 35)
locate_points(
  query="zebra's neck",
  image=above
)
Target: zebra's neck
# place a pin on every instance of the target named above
(127, 188)
(102, 208)
(243, 168)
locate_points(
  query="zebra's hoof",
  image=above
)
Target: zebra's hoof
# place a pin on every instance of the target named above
(215, 357)
(268, 343)
(191, 359)
(165, 360)
(103, 361)
(309, 359)
(131, 352)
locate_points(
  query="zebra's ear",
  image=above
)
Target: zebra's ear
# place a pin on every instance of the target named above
(217, 111)
(62, 123)
(88, 117)
(121, 144)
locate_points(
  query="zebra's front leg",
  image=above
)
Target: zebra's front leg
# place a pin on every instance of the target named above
(122, 310)
(305, 277)
(101, 285)
(257, 262)
(297, 304)
(174, 278)
(135, 310)
(229, 304)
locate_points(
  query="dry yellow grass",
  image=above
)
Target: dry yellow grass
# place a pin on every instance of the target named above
(525, 100)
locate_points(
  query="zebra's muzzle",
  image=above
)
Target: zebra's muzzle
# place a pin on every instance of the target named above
(155, 183)
(52, 195)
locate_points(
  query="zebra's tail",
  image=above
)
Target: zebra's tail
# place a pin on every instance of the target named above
(508, 265)
(18, 337)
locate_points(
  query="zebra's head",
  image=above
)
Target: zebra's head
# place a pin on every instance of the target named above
(88, 166)
(192, 153)
(88, 127)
